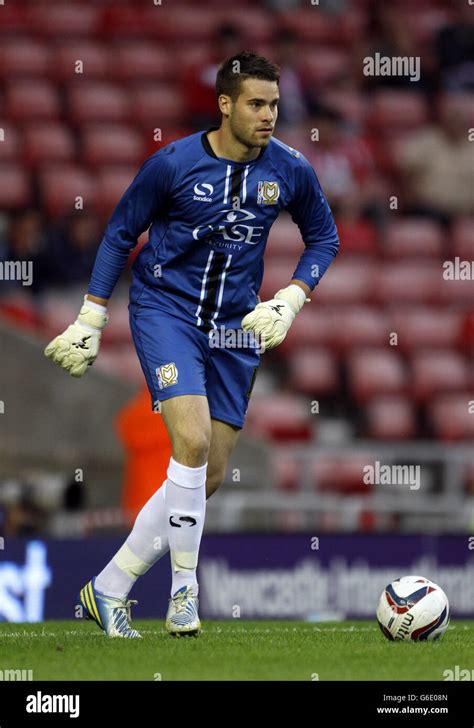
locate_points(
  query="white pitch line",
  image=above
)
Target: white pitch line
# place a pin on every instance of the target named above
(211, 630)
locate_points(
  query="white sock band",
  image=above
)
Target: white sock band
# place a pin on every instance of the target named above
(129, 563)
(185, 476)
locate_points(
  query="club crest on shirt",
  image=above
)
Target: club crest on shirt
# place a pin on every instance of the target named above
(167, 375)
(267, 193)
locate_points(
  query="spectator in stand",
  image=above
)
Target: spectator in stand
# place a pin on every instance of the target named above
(437, 163)
(389, 35)
(344, 163)
(73, 248)
(199, 83)
(455, 49)
(25, 241)
(295, 101)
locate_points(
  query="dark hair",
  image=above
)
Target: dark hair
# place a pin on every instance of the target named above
(244, 65)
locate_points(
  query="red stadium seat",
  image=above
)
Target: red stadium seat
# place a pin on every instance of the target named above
(277, 275)
(286, 471)
(156, 105)
(14, 20)
(121, 362)
(461, 290)
(15, 190)
(314, 26)
(452, 416)
(138, 60)
(342, 475)
(351, 103)
(463, 238)
(58, 313)
(357, 326)
(424, 23)
(390, 418)
(112, 144)
(313, 371)
(357, 236)
(284, 239)
(96, 60)
(34, 100)
(437, 371)
(427, 327)
(280, 417)
(342, 288)
(397, 111)
(112, 181)
(348, 281)
(118, 328)
(314, 326)
(94, 101)
(62, 184)
(257, 25)
(325, 65)
(409, 282)
(24, 57)
(193, 25)
(414, 238)
(10, 143)
(376, 371)
(48, 142)
(64, 19)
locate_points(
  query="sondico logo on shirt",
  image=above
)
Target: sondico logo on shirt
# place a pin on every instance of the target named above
(202, 192)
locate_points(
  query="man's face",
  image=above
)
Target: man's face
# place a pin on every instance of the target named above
(253, 115)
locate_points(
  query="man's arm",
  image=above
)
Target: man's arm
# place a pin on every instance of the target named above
(271, 320)
(76, 348)
(142, 202)
(310, 211)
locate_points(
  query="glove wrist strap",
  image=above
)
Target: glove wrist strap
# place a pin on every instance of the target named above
(294, 296)
(93, 315)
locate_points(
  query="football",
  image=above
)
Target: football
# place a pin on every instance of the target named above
(413, 608)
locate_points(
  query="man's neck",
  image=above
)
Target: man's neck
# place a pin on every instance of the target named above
(224, 145)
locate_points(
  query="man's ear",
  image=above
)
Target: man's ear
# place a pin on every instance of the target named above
(225, 103)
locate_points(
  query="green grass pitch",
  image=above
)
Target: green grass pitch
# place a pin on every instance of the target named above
(231, 650)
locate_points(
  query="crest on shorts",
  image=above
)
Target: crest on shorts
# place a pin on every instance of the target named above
(268, 193)
(167, 375)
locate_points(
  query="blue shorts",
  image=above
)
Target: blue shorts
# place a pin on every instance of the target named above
(178, 358)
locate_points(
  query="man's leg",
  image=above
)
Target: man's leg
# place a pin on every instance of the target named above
(223, 440)
(188, 422)
(148, 540)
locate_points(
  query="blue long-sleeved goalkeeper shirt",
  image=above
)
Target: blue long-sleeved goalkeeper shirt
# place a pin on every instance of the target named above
(209, 220)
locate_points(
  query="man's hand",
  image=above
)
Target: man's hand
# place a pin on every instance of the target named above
(76, 348)
(270, 320)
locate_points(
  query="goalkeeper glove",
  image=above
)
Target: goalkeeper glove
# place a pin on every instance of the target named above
(76, 348)
(270, 320)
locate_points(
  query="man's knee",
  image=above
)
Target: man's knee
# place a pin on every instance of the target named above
(191, 448)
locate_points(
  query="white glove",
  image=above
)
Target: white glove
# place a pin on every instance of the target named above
(270, 320)
(76, 348)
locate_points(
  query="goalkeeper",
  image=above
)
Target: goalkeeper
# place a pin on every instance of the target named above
(209, 201)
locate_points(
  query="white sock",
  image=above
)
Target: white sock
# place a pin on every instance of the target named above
(185, 502)
(146, 544)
